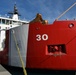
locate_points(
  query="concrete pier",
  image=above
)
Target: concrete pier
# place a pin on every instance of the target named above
(3, 71)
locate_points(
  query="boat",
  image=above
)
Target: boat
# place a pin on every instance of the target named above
(9, 26)
(41, 45)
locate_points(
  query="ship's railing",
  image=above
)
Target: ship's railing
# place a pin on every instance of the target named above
(8, 21)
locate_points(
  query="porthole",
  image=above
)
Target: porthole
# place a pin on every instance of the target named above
(71, 25)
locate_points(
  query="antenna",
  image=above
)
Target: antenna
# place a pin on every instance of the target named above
(15, 11)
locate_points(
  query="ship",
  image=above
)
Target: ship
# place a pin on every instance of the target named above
(38, 44)
(7, 25)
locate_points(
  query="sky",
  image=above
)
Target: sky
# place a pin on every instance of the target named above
(49, 9)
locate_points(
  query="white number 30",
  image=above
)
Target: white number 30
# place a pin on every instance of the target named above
(41, 37)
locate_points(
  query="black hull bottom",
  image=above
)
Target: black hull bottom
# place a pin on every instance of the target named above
(19, 71)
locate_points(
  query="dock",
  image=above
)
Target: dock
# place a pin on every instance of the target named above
(3, 71)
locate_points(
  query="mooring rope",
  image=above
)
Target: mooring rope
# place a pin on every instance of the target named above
(18, 49)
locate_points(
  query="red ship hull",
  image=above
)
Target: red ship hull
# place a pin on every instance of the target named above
(52, 46)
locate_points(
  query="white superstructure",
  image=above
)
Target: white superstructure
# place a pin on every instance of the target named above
(20, 28)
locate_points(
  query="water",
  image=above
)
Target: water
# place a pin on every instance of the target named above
(19, 71)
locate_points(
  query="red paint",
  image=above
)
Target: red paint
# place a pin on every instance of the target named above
(61, 35)
(4, 53)
(50, 46)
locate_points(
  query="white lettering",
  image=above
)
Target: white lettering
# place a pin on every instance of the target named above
(38, 37)
(43, 37)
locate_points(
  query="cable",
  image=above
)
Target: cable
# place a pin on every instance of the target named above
(66, 11)
(24, 70)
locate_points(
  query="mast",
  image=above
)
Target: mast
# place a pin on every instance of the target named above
(15, 13)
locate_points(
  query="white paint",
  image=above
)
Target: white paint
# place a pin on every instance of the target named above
(21, 34)
(43, 37)
(15, 17)
(3, 28)
(38, 37)
(2, 39)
